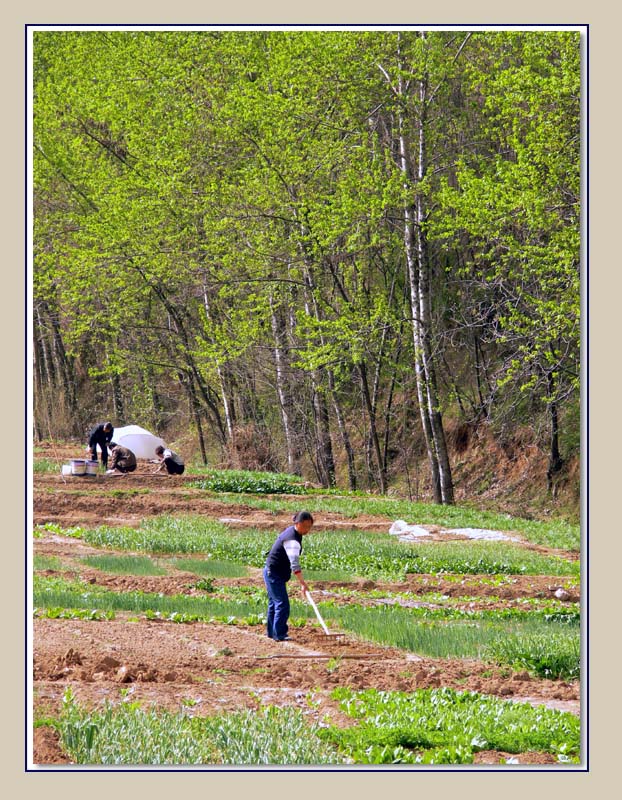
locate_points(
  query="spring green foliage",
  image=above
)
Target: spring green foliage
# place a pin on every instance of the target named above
(517, 204)
(254, 173)
(443, 726)
(128, 734)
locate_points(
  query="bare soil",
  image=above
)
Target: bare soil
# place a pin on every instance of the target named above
(223, 667)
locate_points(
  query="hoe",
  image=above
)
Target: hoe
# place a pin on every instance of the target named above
(319, 616)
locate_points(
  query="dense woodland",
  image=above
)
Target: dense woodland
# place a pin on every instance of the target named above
(327, 253)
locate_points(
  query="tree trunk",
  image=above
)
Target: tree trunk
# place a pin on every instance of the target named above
(387, 420)
(46, 361)
(204, 390)
(425, 311)
(65, 370)
(117, 399)
(221, 380)
(373, 429)
(555, 460)
(420, 293)
(325, 445)
(283, 390)
(413, 283)
(325, 458)
(345, 437)
(187, 381)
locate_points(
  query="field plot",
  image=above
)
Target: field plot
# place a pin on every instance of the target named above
(150, 648)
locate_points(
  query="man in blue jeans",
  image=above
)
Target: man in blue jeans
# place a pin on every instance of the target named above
(282, 560)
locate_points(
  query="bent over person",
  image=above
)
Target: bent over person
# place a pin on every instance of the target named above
(173, 463)
(283, 559)
(123, 460)
(100, 435)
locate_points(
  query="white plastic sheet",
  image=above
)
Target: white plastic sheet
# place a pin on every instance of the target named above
(407, 532)
(142, 443)
(404, 530)
(481, 533)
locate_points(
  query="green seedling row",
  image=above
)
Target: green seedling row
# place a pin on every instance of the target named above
(128, 734)
(546, 649)
(556, 655)
(124, 565)
(243, 481)
(50, 612)
(370, 555)
(549, 648)
(210, 567)
(555, 533)
(41, 563)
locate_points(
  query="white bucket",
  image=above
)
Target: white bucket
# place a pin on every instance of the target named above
(91, 467)
(78, 466)
(65, 469)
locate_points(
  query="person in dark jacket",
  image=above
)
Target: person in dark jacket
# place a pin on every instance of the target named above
(173, 463)
(100, 435)
(283, 559)
(123, 460)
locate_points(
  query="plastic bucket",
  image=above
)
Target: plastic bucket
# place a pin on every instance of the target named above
(78, 466)
(66, 469)
(91, 467)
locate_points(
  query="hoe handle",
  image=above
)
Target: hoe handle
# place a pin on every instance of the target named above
(317, 613)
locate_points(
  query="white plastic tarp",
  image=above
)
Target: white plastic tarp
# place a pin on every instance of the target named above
(403, 530)
(481, 533)
(142, 443)
(406, 532)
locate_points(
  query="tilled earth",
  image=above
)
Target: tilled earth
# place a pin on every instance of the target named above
(216, 667)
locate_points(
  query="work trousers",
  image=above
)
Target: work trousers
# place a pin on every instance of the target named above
(104, 454)
(173, 468)
(278, 606)
(124, 466)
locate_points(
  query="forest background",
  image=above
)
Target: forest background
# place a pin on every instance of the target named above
(353, 256)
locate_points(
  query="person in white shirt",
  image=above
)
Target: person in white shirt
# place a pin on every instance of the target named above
(173, 463)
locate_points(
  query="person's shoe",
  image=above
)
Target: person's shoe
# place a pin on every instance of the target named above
(284, 639)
